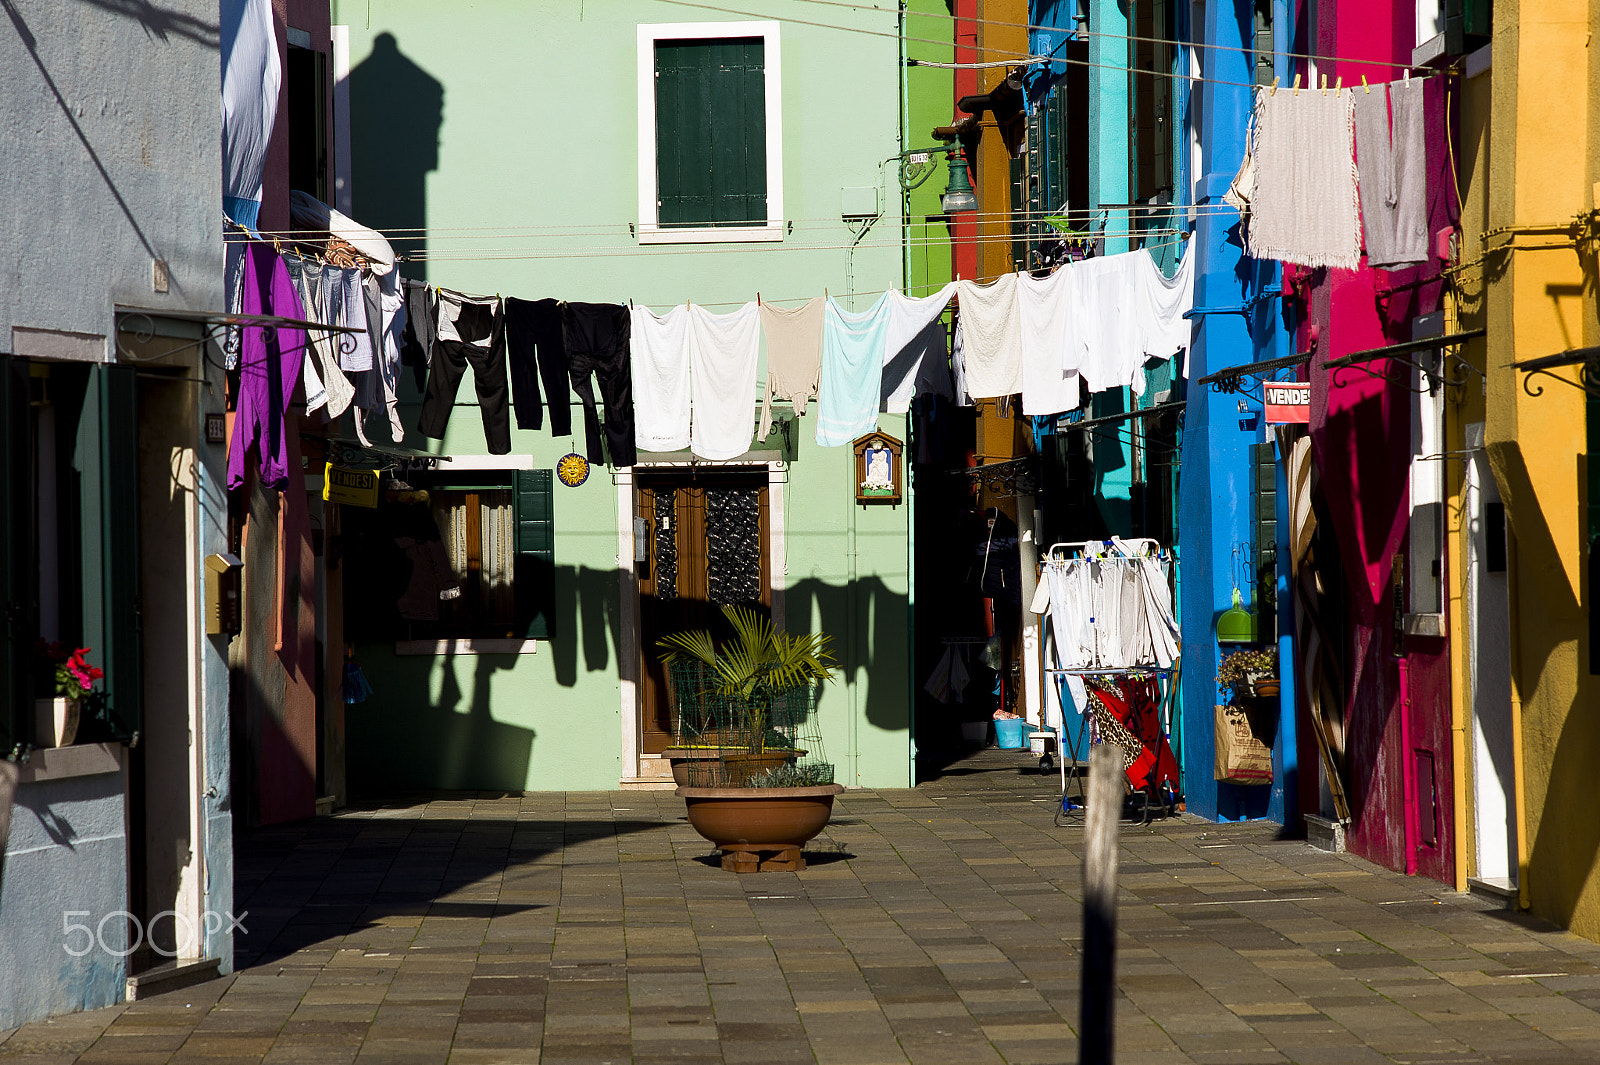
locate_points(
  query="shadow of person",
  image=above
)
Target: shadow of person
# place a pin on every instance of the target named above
(396, 111)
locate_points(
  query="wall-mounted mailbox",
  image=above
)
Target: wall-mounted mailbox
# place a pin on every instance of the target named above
(222, 594)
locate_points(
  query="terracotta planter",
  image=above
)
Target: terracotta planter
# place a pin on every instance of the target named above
(760, 829)
(697, 765)
(55, 722)
(1266, 689)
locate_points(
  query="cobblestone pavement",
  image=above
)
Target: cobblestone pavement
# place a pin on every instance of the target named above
(933, 926)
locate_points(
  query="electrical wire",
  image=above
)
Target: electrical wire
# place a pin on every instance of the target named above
(1019, 56)
(1196, 45)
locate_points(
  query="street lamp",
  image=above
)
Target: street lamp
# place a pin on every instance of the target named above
(958, 197)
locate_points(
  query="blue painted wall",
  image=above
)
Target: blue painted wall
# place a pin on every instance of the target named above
(1233, 327)
(68, 852)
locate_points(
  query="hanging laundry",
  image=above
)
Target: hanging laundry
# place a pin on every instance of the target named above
(958, 365)
(723, 352)
(660, 370)
(306, 274)
(308, 212)
(596, 339)
(915, 354)
(852, 371)
(1391, 163)
(470, 330)
(233, 292)
(416, 347)
(1303, 205)
(794, 356)
(270, 361)
(1167, 303)
(536, 351)
(993, 337)
(251, 75)
(1050, 379)
(385, 293)
(949, 679)
(347, 304)
(1105, 305)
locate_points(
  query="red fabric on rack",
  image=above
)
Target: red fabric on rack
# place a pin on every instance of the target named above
(1130, 708)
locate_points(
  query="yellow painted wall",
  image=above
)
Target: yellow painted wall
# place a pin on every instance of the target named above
(1539, 300)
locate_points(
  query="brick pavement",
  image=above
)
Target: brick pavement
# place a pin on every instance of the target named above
(934, 926)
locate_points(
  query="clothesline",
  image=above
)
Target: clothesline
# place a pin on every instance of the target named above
(1019, 57)
(1079, 31)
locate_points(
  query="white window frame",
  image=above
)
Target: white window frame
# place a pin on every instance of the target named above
(650, 229)
(1427, 595)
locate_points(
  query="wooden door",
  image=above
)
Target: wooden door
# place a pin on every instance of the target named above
(706, 546)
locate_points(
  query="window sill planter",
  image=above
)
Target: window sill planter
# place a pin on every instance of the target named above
(760, 829)
(55, 721)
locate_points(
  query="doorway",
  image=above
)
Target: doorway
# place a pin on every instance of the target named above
(706, 536)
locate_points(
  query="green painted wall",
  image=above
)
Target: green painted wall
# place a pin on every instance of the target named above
(508, 130)
(929, 102)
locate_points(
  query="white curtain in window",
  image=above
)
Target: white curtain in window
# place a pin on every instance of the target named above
(496, 550)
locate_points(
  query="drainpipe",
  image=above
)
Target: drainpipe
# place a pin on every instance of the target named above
(1408, 775)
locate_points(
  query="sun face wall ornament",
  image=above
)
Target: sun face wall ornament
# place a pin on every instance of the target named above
(572, 469)
(878, 469)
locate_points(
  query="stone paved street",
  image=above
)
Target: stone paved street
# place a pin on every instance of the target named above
(934, 926)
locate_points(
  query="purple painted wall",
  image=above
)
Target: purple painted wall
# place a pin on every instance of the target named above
(1361, 434)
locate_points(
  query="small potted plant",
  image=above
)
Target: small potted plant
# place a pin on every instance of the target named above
(1249, 673)
(72, 678)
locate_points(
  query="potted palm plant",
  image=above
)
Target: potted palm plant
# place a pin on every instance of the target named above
(749, 752)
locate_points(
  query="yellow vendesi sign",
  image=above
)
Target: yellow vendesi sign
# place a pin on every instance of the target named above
(358, 488)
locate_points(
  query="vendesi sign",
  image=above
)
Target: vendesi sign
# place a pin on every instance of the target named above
(1287, 401)
(358, 488)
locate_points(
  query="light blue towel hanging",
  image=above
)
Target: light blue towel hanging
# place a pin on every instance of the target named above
(852, 371)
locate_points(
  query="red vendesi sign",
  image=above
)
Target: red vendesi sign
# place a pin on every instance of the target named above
(1287, 401)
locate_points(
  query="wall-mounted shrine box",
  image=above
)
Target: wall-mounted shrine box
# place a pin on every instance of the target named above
(879, 476)
(222, 594)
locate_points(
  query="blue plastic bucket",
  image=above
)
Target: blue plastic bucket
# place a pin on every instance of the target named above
(1010, 734)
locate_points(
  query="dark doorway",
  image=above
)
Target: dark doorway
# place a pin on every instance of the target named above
(706, 547)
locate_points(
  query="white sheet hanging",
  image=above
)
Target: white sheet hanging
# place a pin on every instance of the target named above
(1050, 380)
(905, 365)
(251, 75)
(992, 337)
(659, 346)
(723, 351)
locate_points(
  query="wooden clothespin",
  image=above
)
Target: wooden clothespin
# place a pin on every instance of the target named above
(1364, 86)
(1297, 85)
(1274, 91)
(1324, 84)
(1408, 75)
(277, 245)
(758, 299)
(1338, 85)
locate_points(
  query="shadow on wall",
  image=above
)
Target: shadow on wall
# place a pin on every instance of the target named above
(398, 740)
(396, 111)
(870, 644)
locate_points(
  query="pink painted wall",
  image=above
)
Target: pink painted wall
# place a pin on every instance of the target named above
(1361, 442)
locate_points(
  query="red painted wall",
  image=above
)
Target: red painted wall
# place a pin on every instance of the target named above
(1361, 444)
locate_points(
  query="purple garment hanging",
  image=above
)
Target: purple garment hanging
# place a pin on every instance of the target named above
(269, 370)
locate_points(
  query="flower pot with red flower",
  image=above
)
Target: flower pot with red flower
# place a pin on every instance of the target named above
(72, 678)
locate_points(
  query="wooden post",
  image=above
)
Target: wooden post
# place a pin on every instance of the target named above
(1098, 983)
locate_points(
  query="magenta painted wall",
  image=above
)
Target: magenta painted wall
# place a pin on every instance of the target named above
(1361, 429)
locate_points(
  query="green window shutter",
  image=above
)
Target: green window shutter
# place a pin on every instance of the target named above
(107, 462)
(17, 596)
(711, 132)
(536, 553)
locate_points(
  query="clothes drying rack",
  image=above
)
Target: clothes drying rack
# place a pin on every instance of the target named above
(1131, 550)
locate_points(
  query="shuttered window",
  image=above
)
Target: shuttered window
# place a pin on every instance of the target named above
(536, 554)
(711, 132)
(18, 609)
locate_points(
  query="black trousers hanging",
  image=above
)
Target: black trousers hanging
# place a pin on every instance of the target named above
(537, 352)
(597, 336)
(483, 346)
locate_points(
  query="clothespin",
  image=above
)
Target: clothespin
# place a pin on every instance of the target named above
(1338, 85)
(1408, 75)
(1324, 84)
(1364, 86)
(1274, 91)
(277, 245)
(758, 299)
(1297, 85)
